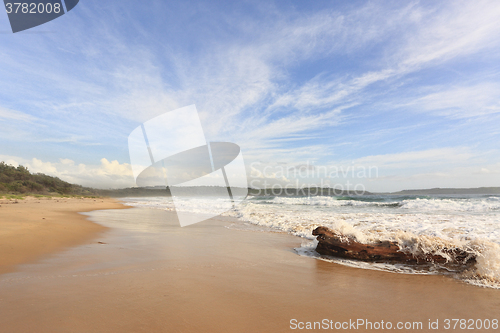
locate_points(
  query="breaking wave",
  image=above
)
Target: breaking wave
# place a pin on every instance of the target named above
(419, 225)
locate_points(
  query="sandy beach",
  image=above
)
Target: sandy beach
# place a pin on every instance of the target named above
(138, 271)
(33, 227)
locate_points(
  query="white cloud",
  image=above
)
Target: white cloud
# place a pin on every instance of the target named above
(67, 161)
(455, 177)
(242, 84)
(38, 166)
(430, 37)
(8, 114)
(233, 81)
(114, 168)
(108, 174)
(443, 167)
(412, 159)
(461, 101)
(10, 160)
(459, 28)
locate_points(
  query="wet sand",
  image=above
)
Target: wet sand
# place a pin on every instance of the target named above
(150, 275)
(34, 227)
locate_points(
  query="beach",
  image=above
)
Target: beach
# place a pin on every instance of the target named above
(136, 270)
(33, 227)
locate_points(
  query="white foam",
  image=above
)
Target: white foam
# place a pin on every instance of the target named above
(457, 205)
(428, 232)
(418, 225)
(191, 204)
(327, 202)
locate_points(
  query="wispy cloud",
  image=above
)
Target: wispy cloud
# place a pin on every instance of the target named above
(280, 82)
(7, 114)
(419, 159)
(460, 101)
(454, 29)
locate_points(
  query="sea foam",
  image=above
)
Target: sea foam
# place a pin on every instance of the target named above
(420, 225)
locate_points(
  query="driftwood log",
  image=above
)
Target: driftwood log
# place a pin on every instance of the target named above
(334, 244)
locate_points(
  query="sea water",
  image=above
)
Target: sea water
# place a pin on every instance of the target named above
(418, 224)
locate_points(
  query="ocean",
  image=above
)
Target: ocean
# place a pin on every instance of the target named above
(419, 224)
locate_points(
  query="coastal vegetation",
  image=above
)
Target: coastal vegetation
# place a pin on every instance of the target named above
(17, 182)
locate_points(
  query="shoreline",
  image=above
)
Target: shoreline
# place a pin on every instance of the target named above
(35, 227)
(147, 274)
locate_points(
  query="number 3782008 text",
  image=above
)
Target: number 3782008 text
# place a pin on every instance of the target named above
(471, 324)
(32, 8)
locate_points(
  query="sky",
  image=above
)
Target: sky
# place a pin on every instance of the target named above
(385, 96)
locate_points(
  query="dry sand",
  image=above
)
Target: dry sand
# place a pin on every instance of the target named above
(216, 277)
(33, 227)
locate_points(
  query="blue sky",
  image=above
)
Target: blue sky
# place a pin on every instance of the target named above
(411, 88)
